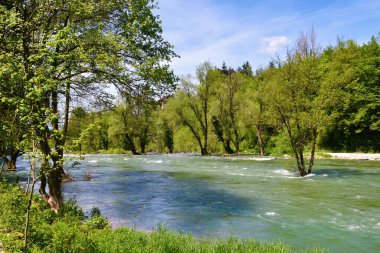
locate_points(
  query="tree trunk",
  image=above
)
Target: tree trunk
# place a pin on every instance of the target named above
(142, 147)
(301, 164)
(204, 151)
(30, 200)
(260, 141)
(2, 168)
(11, 162)
(227, 147)
(143, 140)
(299, 156)
(54, 182)
(129, 144)
(53, 178)
(10, 165)
(313, 147)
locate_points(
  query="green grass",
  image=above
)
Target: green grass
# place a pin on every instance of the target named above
(71, 231)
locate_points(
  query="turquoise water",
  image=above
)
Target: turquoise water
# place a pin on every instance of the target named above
(337, 208)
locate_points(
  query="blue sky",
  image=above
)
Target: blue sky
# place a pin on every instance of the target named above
(235, 31)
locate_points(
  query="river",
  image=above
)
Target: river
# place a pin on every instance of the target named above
(336, 208)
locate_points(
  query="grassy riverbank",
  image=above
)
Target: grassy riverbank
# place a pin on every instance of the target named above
(71, 231)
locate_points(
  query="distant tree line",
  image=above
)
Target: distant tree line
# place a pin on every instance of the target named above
(314, 98)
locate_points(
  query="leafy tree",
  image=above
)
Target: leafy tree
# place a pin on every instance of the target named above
(191, 105)
(54, 48)
(246, 69)
(11, 136)
(226, 110)
(135, 114)
(256, 113)
(297, 100)
(163, 132)
(355, 69)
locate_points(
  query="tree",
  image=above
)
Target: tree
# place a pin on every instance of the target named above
(54, 48)
(11, 136)
(226, 110)
(191, 105)
(246, 69)
(297, 100)
(355, 70)
(255, 106)
(135, 115)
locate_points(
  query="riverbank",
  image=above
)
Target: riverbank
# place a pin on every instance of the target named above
(355, 156)
(71, 231)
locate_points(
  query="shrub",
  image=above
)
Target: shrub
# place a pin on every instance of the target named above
(97, 222)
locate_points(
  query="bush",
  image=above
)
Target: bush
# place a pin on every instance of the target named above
(97, 222)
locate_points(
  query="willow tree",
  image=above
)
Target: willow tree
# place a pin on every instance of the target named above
(190, 106)
(226, 108)
(54, 47)
(297, 99)
(256, 113)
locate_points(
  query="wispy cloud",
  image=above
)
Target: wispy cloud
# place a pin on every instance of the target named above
(236, 31)
(274, 44)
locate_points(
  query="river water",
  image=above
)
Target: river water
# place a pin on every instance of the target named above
(337, 208)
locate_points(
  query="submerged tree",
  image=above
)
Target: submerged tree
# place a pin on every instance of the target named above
(296, 99)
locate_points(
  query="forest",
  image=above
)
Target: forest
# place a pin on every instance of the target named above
(315, 98)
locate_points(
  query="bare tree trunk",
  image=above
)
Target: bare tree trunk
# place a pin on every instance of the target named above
(260, 141)
(130, 144)
(299, 156)
(67, 110)
(301, 164)
(30, 200)
(27, 219)
(204, 152)
(143, 140)
(313, 147)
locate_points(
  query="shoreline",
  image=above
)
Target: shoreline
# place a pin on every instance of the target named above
(321, 155)
(355, 156)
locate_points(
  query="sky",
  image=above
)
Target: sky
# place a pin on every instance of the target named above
(236, 31)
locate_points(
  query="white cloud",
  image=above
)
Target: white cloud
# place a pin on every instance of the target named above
(274, 44)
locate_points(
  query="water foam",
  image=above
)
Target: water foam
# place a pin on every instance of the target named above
(93, 161)
(283, 172)
(353, 227)
(270, 213)
(155, 161)
(236, 174)
(262, 158)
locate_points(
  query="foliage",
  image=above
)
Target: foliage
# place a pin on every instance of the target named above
(97, 221)
(50, 53)
(328, 99)
(356, 117)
